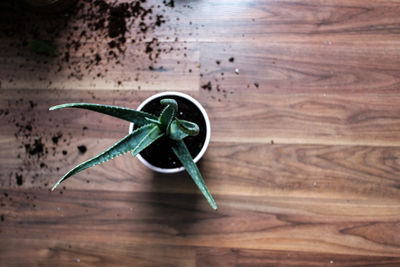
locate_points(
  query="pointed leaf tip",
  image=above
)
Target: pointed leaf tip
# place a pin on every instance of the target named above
(57, 107)
(185, 158)
(54, 186)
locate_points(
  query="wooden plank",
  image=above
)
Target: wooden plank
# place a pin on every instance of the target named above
(84, 57)
(233, 19)
(185, 220)
(237, 162)
(301, 67)
(289, 20)
(247, 257)
(298, 38)
(343, 119)
(319, 172)
(50, 252)
(129, 75)
(349, 119)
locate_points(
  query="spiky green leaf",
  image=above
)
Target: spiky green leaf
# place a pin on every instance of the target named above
(188, 127)
(185, 158)
(175, 133)
(131, 115)
(153, 121)
(135, 142)
(167, 115)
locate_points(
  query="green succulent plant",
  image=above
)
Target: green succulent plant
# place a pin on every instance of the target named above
(150, 128)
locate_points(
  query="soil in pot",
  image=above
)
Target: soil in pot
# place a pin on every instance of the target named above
(160, 153)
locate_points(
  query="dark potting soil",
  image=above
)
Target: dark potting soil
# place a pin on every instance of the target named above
(160, 153)
(79, 39)
(82, 149)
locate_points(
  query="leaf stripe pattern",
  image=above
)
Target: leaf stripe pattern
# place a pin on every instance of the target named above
(135, 142)
(185, 158)
(131, 115)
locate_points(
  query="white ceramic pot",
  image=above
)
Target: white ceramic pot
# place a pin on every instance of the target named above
(206, 119)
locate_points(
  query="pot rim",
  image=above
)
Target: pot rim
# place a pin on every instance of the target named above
(208, 131)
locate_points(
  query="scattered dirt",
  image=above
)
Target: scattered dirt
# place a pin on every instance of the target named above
(35, 146)
(108, 28)
(92, 33)
(56, 137)
(207, 86)
(18, 178)
(82, 149)
(215, 85)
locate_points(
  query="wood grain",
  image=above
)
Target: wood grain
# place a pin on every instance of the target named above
(233, 165)
(304, 159)
(246, 257)
(295, 68)
(185, 220)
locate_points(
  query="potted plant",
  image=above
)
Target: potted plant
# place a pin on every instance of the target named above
(156, 135)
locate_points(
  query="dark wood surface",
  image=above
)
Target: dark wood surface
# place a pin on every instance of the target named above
(304, 159)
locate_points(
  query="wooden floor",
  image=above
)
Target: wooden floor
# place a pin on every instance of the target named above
(304, 159)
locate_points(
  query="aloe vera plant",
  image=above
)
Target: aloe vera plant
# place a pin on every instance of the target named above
(150, 128)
